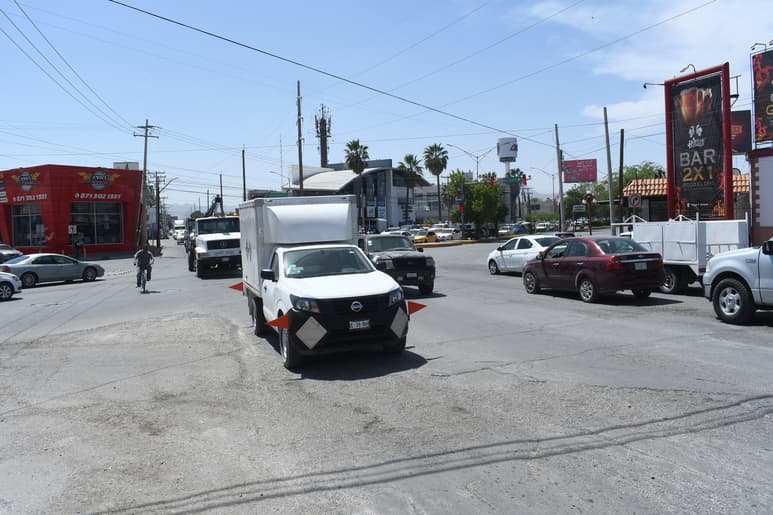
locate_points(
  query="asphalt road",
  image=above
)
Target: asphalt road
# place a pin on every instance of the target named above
(121, 402)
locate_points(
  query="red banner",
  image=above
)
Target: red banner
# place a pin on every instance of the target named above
(580, 170)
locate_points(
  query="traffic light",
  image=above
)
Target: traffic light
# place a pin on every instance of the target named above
(523, 179)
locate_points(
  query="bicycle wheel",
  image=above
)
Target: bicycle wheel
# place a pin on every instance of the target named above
(144, 279)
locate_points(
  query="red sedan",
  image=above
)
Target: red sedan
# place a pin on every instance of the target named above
(594, 265)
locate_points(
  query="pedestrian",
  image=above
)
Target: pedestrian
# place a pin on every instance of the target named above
(78, 246)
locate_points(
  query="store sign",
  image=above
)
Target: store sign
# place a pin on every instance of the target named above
(762, 67)
(26, 180)
(100, 179)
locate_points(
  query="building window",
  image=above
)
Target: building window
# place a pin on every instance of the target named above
(28, 228)
(98, 222)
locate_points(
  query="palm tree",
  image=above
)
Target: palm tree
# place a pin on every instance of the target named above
(355, 159)
(413, 170)
(436, 160)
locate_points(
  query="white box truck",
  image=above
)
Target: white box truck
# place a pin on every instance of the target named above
(686, 245)
(305, 278)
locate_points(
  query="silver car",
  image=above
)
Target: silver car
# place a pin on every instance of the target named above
(9, 284)
(43, 268)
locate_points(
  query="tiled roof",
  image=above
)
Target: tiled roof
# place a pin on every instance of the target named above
(658, 187)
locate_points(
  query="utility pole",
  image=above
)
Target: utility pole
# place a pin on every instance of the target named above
(244, 177)
(323, 123)
(300, 144)
(142, 238)
(222, 211)
(559, 158)
(620, 186)
(158, 215)
(609, 175)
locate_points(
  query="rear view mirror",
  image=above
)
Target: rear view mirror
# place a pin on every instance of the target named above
(767, 248)
(267, 274)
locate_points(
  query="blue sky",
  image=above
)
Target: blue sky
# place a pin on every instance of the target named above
(504, 68)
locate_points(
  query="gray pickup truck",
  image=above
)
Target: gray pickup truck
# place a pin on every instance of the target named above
(739, 282)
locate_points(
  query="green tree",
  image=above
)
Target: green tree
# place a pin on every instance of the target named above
(436, 160)
(355, 159)
(411, 167)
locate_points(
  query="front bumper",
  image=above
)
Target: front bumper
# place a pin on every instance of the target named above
(411, 277)
(331, 332)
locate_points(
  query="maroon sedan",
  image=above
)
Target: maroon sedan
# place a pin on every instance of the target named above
(594, 265)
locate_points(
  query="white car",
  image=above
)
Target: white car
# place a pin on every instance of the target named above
(513, 255)
(448, 234)
(9, 284)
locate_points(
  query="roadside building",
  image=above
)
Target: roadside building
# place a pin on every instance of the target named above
(49, 208)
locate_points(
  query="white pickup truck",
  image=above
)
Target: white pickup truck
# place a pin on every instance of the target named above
(305, 278)
(740, 281)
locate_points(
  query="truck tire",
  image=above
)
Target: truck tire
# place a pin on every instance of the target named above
(199, 270)
(257, 317)
(733, 302)
(191, 262)
(426, 288)
(290, 357)
(396, 347)
(673, 282)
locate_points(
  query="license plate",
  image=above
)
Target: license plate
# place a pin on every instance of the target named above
(640, 266)
(411, 275)
(358, 325)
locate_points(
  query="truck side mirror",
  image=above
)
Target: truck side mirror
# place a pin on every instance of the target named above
(767, 248)
(267, 274)
(420, 249)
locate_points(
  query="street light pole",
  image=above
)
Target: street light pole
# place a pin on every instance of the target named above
(477, 158)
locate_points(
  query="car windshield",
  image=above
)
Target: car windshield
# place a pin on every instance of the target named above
(389, 243)
(17, 259)
(619, 246)
(302, 263)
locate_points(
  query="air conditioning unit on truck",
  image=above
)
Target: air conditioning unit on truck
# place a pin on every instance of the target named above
(686, 245)
(214, 246)
(303, 274)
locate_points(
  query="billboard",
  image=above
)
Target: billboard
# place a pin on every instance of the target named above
(507, 150)
(699, 147)
(762, 68)
(580, 170)
(741, 131)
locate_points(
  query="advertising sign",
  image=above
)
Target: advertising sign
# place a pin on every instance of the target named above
(741, 131)
(507, 149)
(697, 145)
(580, 170)
(762, 67)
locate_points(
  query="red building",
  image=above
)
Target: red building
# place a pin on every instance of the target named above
(48, 208)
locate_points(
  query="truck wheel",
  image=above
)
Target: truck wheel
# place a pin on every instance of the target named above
(290, 357)
(733, 301)
(257, 317)
(673, 282)
(426, 288)
(191, 262)
(642, 293)
(396, 347)
(199, 270)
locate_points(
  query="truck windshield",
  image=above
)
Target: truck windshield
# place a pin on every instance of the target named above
(216, 225)
(384, 243)
(299, 264)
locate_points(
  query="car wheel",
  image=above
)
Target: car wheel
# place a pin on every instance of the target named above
(290, 357)
(258, 318)
(587, 290)
(672, 282)
(397, 347)
(493, 269)
(89, 274)
(426, 288)
(6, 291)
(29, 280)
(733, 302)
(642, 293)
(530, 283)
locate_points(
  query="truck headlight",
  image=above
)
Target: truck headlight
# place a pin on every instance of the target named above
(708, 266)
(383, 263)
(304, 304)
(396, 296)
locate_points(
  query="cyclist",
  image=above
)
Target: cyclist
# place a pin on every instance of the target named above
(143, 260)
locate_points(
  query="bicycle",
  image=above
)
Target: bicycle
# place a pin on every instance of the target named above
(144, 280)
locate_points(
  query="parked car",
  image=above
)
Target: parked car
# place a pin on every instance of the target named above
(424, 236)
(397, 256)
(739, 282)
(449, 234)
(595, 265)
(513, 255)
(9, 284)
(7, 252)
(43, 268)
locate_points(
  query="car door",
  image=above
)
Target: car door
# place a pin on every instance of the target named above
(550, 266)
(269, 290)
(575, 261)
(523, 252)
(44, 268)
(66, 269)
(505, 255)
(766, 278)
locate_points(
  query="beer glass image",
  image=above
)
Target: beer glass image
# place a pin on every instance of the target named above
(694, 103)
